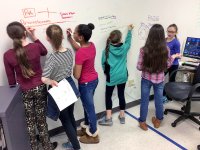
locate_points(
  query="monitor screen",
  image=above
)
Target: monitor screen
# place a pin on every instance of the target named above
(192, 48)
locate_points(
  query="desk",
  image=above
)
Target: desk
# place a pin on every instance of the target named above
(185, 76)
(13, 119)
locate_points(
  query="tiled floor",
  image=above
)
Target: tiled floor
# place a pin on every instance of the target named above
(130, 137)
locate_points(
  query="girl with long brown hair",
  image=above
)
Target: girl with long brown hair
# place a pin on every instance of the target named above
(22, 65)
(154, 59)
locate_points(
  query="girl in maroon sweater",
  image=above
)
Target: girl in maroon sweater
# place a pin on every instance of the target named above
(22, 65)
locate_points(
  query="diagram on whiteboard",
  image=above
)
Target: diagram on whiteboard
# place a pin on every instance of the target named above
(32, 17)
(145, 26)
(143, 31)
(107, 23)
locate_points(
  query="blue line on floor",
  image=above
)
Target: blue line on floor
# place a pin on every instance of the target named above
(161, 134)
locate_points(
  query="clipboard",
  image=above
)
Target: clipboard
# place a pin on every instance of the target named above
(63, 94)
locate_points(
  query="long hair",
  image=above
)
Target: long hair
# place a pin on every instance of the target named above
(16, 31)
(85, 31)
(55, 34)
(155, 50)
(175, 27)
(114, 37)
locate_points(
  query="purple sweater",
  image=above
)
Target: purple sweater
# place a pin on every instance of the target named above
(174, 47)
(13, 70)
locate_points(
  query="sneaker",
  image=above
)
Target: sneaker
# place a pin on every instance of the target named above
(55, 144)
(156, 122)
(143, 126)
(106, 122)
(67, 146)
(121, 119)
(165, 100)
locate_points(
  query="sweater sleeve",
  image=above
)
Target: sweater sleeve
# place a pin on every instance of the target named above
(140, 60)
(10, 71)
(49, 66)
(42, 48)
(128, 39)
(170, 59)
(177, 47)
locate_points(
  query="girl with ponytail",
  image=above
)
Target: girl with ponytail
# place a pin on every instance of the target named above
(58, 66)
(114, 63)
(22, 65)
(87, 77)
(174, 46)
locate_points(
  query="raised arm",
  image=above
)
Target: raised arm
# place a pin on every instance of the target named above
(31, 34)
(128, 38)
(74, 44)
(33, 37)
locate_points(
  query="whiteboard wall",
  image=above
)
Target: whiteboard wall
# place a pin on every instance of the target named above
(106, 16)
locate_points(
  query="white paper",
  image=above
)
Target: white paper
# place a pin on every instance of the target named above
(63, 94)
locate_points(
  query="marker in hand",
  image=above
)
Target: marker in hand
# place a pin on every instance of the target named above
(69, 32)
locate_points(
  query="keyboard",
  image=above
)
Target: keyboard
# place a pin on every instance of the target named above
(191, 64)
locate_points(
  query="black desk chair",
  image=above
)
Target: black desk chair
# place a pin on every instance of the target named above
(185, 92)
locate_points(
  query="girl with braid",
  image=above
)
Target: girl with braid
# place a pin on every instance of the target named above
(114, 63)
(22, 65)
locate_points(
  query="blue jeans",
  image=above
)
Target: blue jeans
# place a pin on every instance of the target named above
(87, 93)
(158, 94)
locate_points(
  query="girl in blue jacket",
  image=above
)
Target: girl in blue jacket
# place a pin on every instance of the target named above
(114, 63)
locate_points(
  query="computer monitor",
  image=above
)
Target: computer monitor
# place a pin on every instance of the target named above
(192, 48)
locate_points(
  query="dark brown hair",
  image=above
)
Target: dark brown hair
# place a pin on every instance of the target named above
(16, 31)
(174, 26)
(85, 31)
(155, 50)
(55, 34)
(114, 37)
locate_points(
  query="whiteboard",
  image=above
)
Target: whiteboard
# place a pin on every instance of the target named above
(106, 16)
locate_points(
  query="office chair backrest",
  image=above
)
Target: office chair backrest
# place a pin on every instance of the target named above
(196, 78)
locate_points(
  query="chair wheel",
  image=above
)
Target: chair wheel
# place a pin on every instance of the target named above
(165, 112)
(173, 124)
(183, 108)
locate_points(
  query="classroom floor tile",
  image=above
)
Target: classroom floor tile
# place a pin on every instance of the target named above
(185, 135)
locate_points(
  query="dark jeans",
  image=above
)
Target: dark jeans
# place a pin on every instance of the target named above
(145, 92)
(170, 70)
(69, 124)
(66, 116)
(87, 93)
(173, 77)
(120, 92)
